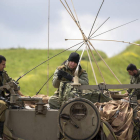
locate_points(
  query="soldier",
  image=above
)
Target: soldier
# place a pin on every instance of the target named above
(134, 79)
(65, 72)
(4, 78)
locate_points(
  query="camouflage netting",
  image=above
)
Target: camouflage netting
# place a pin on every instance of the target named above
(119, 115)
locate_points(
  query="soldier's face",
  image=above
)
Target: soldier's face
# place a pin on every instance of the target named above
(72, 65)
(132, 73)
(2, 65)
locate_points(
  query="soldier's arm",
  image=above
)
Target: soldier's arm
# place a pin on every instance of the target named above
(138, 82)
(19, 92)
(7, 78)
(83, 79)
(137, 91)
(55, 80)
(130, 90)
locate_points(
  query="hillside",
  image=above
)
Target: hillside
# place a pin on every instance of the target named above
(19, 61)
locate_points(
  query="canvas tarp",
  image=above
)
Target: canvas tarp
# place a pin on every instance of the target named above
(119, 115)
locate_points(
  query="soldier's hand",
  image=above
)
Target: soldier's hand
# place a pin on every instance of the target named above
(59, 75)
(64, 74)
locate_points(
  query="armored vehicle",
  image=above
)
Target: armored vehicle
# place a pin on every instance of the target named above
(79, 118)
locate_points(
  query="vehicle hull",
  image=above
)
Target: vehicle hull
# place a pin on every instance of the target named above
(25, 124)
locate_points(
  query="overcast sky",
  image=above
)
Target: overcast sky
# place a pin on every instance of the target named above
(24, 23)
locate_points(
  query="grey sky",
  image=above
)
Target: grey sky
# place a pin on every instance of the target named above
(24, 23)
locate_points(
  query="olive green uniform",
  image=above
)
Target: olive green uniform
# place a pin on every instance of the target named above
(54, 100)
(4, 78)
(83, 77)
(135, 80)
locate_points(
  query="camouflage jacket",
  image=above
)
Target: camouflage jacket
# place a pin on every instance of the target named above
(4, 78)
(83, 77)
(135, 80)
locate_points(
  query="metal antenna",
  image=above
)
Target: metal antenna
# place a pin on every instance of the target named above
(99, 27)
(48, 45)
(70, 10)
(95, 18)
(46, 61)
(79, 47)
(70, 13)
(109, 40)
(94, 31)
(92, 66)
(86, 40)
(95, 61)
(104, 62)
(80, 60)
(75, 13)
(44, 84)
(115, 41)
(115, 28)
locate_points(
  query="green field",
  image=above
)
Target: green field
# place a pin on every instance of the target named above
(20, 61)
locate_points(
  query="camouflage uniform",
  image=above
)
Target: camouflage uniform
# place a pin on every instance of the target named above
(135, 80)
(83, 77)
(4, 78)
(54, 100)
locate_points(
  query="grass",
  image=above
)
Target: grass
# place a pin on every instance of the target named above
(20, 61)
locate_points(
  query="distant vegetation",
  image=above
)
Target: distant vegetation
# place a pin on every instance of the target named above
(20, 60)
